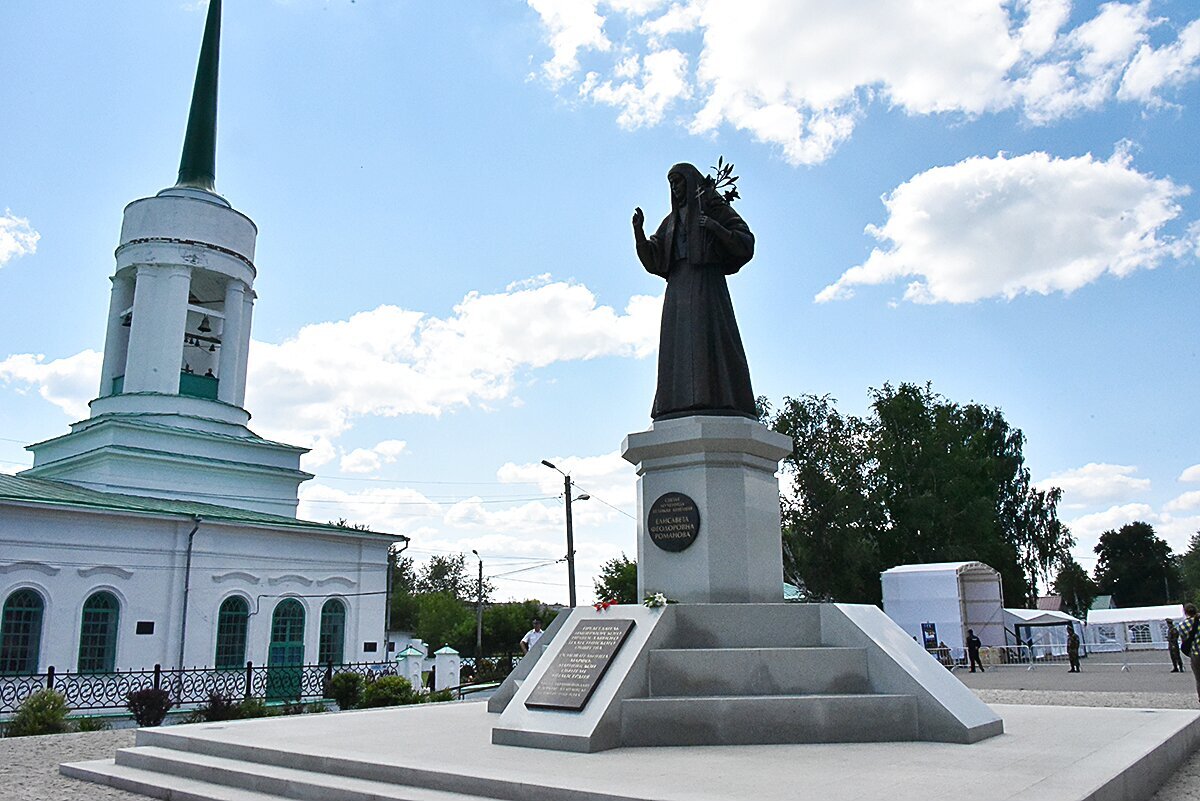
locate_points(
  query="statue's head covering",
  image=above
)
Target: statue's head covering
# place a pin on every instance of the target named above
(692, 178)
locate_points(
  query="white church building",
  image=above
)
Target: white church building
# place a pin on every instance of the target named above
(161, 529)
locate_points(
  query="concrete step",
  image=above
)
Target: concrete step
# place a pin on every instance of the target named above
(758, 671)
(183, 776)
(746, 626)
(750, 720)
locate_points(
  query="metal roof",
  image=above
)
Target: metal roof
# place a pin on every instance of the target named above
(940, 567)
(60, 494)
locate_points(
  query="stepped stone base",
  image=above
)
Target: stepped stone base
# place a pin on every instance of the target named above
(443, 752)
(723, 674)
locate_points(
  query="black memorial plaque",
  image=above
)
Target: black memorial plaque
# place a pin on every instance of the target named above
(576, 670)
(673, 522)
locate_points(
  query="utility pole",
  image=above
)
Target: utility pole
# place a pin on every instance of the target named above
(570, 543)
(570, 530)
(478, 617)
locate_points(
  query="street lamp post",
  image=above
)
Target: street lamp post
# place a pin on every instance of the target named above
(478, 617)
(570, 531)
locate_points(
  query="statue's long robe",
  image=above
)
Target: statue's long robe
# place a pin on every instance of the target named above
(702, 365)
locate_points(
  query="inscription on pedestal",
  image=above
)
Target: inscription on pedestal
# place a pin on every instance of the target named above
(576, 670)
(673, 522)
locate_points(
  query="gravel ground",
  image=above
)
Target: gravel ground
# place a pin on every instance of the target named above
(29, 765)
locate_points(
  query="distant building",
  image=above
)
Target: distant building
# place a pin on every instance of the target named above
(161, 529)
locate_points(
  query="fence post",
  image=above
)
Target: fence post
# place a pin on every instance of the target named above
(249, 679)
(157, 675)
(50, 678)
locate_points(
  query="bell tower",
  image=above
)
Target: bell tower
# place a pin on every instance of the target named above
(169, 419)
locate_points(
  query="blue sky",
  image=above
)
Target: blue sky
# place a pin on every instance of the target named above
(997, 197)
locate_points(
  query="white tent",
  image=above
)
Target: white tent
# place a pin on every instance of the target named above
(1135, 628)
(943, 600)
(1041, 627)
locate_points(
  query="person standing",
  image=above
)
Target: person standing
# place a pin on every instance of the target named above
(1173, 647)
(973, 646)
(1072, 648)
(1187, 641)
(531, 637)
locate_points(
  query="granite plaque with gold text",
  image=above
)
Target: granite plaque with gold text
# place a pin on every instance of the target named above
(578, 667)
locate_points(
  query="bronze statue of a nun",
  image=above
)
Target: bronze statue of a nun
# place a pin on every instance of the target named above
(701, 363)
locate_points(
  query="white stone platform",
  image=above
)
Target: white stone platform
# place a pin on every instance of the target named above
(445, 752)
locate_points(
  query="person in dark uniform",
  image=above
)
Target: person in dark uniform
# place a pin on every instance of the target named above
(973, 646)
(1072, 648)
(1173, 648)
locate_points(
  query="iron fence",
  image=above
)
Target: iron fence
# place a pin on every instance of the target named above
(87, 692)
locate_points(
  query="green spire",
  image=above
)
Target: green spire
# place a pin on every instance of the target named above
(198, 167)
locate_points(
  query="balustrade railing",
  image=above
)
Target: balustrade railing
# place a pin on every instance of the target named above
(88, 692)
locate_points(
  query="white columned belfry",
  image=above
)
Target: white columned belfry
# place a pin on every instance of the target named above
(115, 344)
(244, 346)
(168, 420)
(156, 330)
(232, 358)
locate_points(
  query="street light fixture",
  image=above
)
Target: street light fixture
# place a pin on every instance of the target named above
(570, 530)
(478, 617)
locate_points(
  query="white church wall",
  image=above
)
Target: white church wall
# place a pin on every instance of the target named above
(66, 556)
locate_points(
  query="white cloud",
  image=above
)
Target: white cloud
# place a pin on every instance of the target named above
(368, 460)
(309, 389)
(396, 510)
(1088, 528)
(1191, 473)
(662, 81)
(572, 25)
(17, 237)
(1152, 69)
(1013, 225)
(391, 361)
(798, 74)
(607, 477)
(1097, 482)
(67, 383)
(1186, 501)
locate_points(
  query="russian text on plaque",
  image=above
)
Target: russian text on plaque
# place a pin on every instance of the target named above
(579, 665)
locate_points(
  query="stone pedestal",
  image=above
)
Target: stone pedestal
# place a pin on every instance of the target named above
(725, 466)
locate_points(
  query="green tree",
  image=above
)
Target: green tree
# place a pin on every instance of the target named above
(1189, 569)
(1136, 567)
(442, 619)
(448, 574)
(505, 624)
(404, 606)
(617, 581)
(830, 518)
(1076, 589)
(919, 479)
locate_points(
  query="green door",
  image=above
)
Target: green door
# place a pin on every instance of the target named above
(286, 654)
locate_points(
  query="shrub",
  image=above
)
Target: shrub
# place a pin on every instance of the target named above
(346, 689)
(315, 708)
(91, 724)
(252, 708)
(389, 691)
(218, 708)
(439, 695)
(149, 705)
(44, 712)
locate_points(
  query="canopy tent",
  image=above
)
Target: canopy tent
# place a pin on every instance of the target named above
(937, 602)
(1041, 627)
(1136, 627)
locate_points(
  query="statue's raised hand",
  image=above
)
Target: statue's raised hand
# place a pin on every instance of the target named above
(639, 218)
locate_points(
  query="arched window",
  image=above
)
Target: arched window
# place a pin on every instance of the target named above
(21, 632)
(333, 632)
(231, 633)
(286, 653)
(98, 634)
